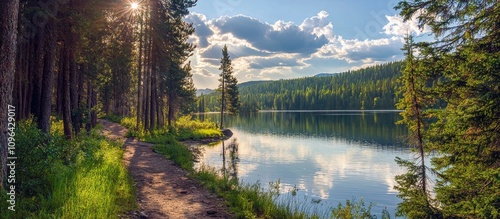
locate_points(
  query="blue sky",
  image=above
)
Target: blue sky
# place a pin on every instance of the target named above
(269, 40)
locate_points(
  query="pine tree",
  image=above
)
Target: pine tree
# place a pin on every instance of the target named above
(413, 186)
(228, 87)
(233, 95)
(466, 128)
(8, 39)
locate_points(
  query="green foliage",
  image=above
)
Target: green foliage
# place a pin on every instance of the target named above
(97, 186)
(355, 210)
(166, 140)
(188, 123)
(187, 128)
(127, 122)
(369, 88)
(176, 152)
(413, 186)
(469, 136)
(464, 62)
(416, 203)
(230, 99)
(83, 178)
(113, 117)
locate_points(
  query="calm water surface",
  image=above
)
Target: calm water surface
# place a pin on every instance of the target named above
(329, 155)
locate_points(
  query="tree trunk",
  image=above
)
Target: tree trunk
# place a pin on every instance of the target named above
(8, 45)
(48, 78)
(91, 102)
(93, 114)
(36, 83)
(66, 94)
(81, 91)
(60, 87)
(152, 108)
(147, 77)
(31, 67)
(159, 112)
(171, 109)
(139, 75)
(73, 70)
(222, 102)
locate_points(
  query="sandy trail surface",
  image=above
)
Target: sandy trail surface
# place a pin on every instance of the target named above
(163, 189)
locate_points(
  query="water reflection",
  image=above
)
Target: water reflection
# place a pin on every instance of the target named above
(231, 172)
(329, 156)
(363, 126)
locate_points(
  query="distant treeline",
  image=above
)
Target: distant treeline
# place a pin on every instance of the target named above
(368, 88)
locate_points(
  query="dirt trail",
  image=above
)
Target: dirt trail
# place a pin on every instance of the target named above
(163, 189)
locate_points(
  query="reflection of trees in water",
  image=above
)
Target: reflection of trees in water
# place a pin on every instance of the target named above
(232, 160)
(370, 127)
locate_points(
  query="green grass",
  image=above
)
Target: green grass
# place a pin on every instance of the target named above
(176, 152)
(83, 178)
(97, 186)
(246, 201)
(185, 128)
(253, 201)
(113, 118)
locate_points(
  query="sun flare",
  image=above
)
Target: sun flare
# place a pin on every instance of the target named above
(134, 5)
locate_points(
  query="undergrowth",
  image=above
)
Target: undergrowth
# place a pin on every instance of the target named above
(57, 178)
(184, 128)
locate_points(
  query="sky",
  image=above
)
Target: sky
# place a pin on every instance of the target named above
(283, 39)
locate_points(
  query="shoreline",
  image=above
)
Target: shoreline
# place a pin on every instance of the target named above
(307, 111)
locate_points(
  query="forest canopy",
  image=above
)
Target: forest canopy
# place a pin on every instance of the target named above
(369, 88)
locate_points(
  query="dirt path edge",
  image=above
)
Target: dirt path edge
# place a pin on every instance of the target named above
(163, 189)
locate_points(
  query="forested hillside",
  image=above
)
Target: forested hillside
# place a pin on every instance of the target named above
(368, 88)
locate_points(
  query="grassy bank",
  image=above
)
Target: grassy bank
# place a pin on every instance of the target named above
(56, 178)
(246, 201)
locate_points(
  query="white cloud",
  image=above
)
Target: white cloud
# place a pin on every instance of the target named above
(366, 51)
(204, 72)
(397, 26)
(282, 50)
(318, 25)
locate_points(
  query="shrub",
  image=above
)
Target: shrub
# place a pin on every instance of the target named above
(187, 128)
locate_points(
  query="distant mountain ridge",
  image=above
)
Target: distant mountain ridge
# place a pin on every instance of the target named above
(251, 83)
(372, 88)
(325, 74)
(204, 91)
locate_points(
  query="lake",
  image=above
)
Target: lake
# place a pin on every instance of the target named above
(329, 156)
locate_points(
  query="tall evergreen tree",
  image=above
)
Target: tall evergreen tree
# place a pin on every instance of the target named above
(228, 87)
(8, 39)
(413, 186)
(466, 130)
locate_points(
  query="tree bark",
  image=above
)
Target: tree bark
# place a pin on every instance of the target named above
(171, 109)
(8, 46)
(66, 94)
(48, 79)
(139, 75)
(36, 83)
(222, 101)
(60, 87)
(91, 103)
(73, 69)
(147, 76)
(152, 108)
